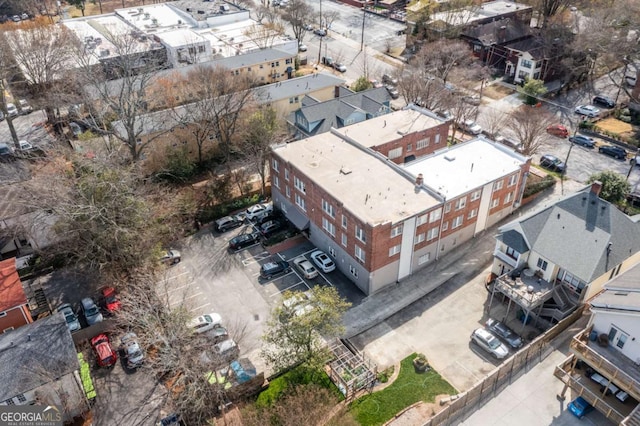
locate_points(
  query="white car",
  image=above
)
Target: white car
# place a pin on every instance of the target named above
(132, 351)
(472, 127)
(490, 343)
(12, 111)
(323, 261)
(257, 210)
(205, 323)
(588, 110)
(307, 269)
(302, 47)
(298, 304)
(171, 257)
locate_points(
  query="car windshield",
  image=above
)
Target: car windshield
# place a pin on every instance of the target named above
(93, 311)
(207, 318)
(70, 317)
(493, 342)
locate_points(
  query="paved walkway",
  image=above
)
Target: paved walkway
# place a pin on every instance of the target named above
(477, 254)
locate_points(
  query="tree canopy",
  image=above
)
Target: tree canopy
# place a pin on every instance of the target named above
(614, 186)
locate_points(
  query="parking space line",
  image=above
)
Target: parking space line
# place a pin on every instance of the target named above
(200, 307)
(257, 258)
(179, 275)
(178, 288)
(175, 303)
(291, 286)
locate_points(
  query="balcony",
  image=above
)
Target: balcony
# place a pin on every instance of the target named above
(527, 290)
(582, 386)
(609, 362)
(505, 258)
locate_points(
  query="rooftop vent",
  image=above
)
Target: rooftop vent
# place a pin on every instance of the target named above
(419, 179)
(449, 157)
(345, 170)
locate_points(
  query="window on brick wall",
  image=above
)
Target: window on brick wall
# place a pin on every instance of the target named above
(299, 184)
(422, 219)
(513, 179)
(275, 165)
(395, 153)
(419, 238)
(423, 143)
(300, 202)
(447, 207)
(329, 227)
(475, 195)
(432, 233)
(445, 226)
(360, 234)
(328, 208)
(495, 202)
(359, 252)
(344, 239)
(276, 182)
(344, 221)
(457, 222)
(435, 215)
(286, 174)
(396, 231)
(498, 185)
(473, 213)
(508, 198)
(461, 203)
(394, 250)
(288, 191)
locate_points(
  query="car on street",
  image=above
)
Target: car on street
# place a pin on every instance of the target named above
(583, 140)
(588, 110)
(25, 146)
(393, 92)
(229, 222)
(472, 100)
(558, 130)
(205, 323)
(320, 32)
(256, 210)
(579, 407)
(388, 79)
(613, 151)
(244, 240)
(339, 67)
(302, 47)
(12, 110)
(105, 355)
(111, 301)
(489, 343)
(503, 332)
(306, 268)
(375, 83)
(553, 163)
(307, 27)
(132, 351)
(274, 268)
(471, 127)
(604, 101)
(323, 261)
(271, 227)
(25, 108)
(171, 257)
(69, 316)
(91, 311)
(518, 147)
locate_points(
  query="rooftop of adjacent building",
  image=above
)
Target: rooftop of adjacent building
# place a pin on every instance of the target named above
(621, 294)
(465, 167)
(154, 18)
(470, 14)
(11, 291)
(366, 183)
(200, 10)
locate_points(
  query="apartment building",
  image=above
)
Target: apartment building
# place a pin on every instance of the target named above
(603, 365)
(14, 307)
(381, 221)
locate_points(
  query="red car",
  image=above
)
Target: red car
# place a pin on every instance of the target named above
(104, 351)
(558, 130)
(111, 301)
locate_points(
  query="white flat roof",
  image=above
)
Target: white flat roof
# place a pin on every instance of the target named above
(467, 166)
(380, 130)
(155, 18)
(369, 187)
(472, 13)
(181, 37)
(243, 36)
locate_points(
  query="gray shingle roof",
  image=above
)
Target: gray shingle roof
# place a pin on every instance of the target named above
(581, 233)
(500, 32)
(515, 240)
(35, 354)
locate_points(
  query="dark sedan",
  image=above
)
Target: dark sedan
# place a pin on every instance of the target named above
(604, 101)
(505, 333)
(229, 222)
(553, 163)
(613, 151)
(269, 228)
(583, 140)
(244, 240)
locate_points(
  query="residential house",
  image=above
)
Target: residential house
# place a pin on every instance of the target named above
(14, 307)
(531, 58)
(315, 117)
(39, 365)
(381, 222)
(603, 365)
(553, 259)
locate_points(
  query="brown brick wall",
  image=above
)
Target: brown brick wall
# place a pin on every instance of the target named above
(15, 318)
(412, 139)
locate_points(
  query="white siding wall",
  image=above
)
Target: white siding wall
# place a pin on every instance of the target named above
(626, 323)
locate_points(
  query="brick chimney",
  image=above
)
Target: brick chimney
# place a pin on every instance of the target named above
(596, 187)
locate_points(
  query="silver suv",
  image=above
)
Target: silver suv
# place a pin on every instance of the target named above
(490, 343)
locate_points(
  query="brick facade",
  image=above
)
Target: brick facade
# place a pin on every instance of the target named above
(417, 144)
(14, 318)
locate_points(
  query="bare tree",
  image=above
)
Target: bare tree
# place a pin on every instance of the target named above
(329, 18)
(297, 14)
(530, 125)
(264, 35)
(548, 9)
(441, 56)
(493, 121)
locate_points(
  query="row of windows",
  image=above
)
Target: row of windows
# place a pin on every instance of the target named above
(421, 144)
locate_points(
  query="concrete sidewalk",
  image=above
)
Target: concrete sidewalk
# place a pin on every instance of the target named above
(461, 264)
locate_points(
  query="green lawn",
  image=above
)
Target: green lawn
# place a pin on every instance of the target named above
(408, 388)
(298, 376)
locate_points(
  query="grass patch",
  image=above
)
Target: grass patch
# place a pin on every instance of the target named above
(300, 375)
(409, 388)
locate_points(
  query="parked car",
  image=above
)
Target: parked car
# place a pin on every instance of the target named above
(105, 354)
(308, 27)
(327, 60)
(323, 261)
(274, 268)
(268, 216)
(579, 407)
(613, 151)
(217, 334)
(588, 110)
(472, 100)
(111, 300)
(252, 212)
(132, 351)
(302, 47)
(205, 323)
(489, 343)
(558, 130)
(298, 304)
(604, 101)
(171, 257)
(25, 108)
(320, 32)
(91, 311)
(226, 351)
(12, 110)
(510, 143)
(306, 268)
(70, 317)
(375, 84)
(388, 79)
(471, 126)
(244, 240)
(340, 67)
(503, 332)
(229, 222)
(393, 92)
(631, 80)
(583, 140)
(267, 229)
(553, 163)
(6, 153)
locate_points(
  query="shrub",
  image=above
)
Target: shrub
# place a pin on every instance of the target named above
(535, 187)
(384, 375)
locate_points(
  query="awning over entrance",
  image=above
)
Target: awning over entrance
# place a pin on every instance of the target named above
(298, 219)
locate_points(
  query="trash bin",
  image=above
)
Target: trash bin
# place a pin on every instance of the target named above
(593, 335)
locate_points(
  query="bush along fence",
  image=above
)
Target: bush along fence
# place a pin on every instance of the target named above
(528, 357)
(211, 213)
(592, 129)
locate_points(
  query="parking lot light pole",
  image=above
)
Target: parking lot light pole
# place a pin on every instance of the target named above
(566, 160)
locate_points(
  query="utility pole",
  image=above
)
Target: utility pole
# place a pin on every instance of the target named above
(321, 37)
(364, 16)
